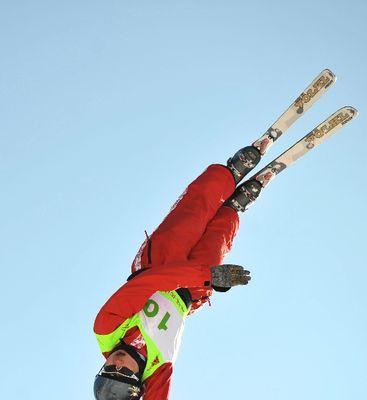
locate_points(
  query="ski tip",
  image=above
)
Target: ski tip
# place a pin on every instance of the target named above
(351, 110)
(330, 74)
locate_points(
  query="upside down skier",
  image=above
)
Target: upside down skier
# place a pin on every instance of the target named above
(174, 273)
(177, 268)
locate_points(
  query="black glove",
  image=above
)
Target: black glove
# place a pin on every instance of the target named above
(228, 275)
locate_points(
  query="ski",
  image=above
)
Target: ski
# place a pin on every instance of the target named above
(303, 102)
(317, 136)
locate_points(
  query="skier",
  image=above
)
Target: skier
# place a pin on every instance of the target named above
(177, 268)
(174, 273)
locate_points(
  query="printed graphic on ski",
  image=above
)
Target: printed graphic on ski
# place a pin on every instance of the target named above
(304, 101)
(318, 135)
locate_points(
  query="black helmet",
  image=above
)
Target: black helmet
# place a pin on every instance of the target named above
(120, 384)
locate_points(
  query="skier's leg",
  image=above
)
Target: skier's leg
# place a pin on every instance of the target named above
(187, 220)
(217, 239)
(185, 224)
(213, 246)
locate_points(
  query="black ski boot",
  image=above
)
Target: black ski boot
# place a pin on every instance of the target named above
(243, 162)
(244, 195)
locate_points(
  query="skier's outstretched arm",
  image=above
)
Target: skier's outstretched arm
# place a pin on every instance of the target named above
(132, 296)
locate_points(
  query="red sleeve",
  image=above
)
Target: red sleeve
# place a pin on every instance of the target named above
(131, 297)
(157, 387)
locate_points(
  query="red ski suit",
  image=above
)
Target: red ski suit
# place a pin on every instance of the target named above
(196, 234)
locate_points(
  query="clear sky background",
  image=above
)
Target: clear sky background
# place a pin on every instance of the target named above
(107, 110)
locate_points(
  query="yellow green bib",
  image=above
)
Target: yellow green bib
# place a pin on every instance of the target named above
(161, 323)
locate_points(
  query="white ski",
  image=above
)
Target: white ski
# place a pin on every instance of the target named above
(318, 135)
(304, 101)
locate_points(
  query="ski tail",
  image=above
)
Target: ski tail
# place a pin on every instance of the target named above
(313, 139)
(317, 88)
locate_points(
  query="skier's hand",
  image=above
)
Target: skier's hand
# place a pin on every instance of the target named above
(227, 275)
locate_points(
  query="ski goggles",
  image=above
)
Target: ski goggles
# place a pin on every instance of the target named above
(111, 371)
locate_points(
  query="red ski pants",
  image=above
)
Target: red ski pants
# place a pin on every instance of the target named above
(197, 228)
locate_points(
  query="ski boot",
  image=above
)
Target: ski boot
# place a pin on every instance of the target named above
(243, 162)
(244, 195)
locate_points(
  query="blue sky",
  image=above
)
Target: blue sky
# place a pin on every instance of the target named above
(108, 110)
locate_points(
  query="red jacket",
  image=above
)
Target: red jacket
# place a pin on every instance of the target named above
(131, 298)
(196, 235)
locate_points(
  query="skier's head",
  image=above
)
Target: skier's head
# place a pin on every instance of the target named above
(120, 376)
